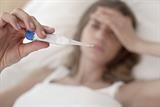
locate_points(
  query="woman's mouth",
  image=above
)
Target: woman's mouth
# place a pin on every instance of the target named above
(98, 48)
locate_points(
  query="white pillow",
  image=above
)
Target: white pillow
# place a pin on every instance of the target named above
(61, 14)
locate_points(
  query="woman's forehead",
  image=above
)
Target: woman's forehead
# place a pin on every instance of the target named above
(99, 22)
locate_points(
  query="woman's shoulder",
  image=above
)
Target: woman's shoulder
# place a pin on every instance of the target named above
(112, 89)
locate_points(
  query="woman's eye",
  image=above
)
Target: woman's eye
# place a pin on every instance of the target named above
(95, 26)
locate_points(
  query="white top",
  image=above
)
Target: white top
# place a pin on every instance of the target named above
(48, 94)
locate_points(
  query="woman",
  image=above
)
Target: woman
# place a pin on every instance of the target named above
(97, 69)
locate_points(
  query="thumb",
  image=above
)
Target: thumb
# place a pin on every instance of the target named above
(26, 49)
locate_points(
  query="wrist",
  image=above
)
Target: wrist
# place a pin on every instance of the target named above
(132, 43)
(136, 45)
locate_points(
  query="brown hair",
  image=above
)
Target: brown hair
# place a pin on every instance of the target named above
(120, 67)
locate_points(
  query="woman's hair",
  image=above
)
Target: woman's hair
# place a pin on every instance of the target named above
(120, 67)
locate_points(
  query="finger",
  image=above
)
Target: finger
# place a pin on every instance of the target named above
(10, 19)
(2, 22)
(115, 14)
(103, 19)
(48, 30)
(26, 49)
(113, 25)
(39, 28)
(22, 25)
(24, 17)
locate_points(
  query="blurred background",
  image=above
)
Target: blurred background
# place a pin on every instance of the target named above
(8, 5)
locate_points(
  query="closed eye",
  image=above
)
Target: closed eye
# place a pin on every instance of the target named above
(95, 24)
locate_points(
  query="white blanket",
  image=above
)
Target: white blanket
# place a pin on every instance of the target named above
(57, 95)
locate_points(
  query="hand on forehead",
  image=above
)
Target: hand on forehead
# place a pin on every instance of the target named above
(110, 12)
(109, 16)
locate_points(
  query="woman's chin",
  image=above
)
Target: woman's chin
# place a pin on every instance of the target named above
(96, 57)
(97, 52)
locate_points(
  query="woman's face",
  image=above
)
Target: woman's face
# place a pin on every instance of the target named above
(106, 44)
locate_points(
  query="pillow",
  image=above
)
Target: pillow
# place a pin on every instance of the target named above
(61, 14)
(148, 15)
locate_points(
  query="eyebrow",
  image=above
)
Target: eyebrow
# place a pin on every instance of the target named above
(96, 21)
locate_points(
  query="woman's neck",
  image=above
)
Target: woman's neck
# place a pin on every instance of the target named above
(89, 71)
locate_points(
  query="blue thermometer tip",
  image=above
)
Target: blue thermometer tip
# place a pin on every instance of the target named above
(29, 35)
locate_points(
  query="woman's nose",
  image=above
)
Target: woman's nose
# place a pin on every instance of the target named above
(100, 35)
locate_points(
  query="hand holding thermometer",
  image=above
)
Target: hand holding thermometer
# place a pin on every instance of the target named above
(55, 39)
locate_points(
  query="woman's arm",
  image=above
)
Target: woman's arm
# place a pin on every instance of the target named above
(8, 97)
(123, 29)
(145, 47)
(140, 94)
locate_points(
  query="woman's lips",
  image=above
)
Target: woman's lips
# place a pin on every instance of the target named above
(98, 48)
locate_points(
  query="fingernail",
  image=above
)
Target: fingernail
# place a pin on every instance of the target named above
(52, 29)
(18, 26)
(32, 26)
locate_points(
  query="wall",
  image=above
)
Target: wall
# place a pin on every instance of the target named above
(8, 5)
